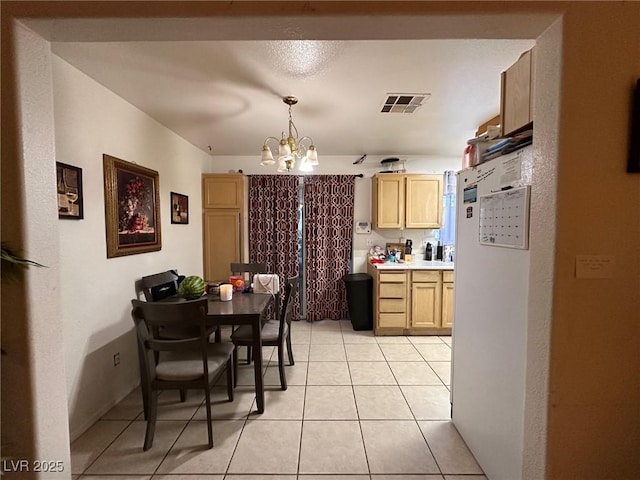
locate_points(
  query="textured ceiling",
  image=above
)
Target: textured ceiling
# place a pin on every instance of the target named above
(227, 94)
(218, 81)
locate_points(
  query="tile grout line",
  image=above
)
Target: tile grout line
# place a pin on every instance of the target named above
(105, 448)
(304, 404)
(188, 422)
(420, 430)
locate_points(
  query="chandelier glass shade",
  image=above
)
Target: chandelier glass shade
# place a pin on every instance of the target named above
(291, 149)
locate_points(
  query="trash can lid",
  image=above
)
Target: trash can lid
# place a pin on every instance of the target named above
(356, 277)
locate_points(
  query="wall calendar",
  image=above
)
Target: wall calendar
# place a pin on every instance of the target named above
(504, 218)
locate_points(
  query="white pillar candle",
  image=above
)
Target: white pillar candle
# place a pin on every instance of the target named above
(226, 292)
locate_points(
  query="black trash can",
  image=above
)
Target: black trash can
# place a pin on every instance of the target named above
(360, 300)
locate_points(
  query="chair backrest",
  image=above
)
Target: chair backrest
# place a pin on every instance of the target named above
(151, 318)
(160, 285)
(250, 268)
(290, 289)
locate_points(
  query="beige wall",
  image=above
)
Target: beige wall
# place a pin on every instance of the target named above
(95, 291)
(594, 391)
(594, 404)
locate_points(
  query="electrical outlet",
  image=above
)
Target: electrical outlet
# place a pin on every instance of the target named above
(424, 242)
(369, 242)
(116, 359)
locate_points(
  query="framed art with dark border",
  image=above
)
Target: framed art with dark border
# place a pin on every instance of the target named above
(69, 180)
(132, 208)
(179, 208)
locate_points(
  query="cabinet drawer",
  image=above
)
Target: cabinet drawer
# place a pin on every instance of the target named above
(388, 277)
(425, 276)
(447, 275)
(392, 320)
(393, 305)
(393, 290)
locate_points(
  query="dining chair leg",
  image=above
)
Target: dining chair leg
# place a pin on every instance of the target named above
(183, 395)
(234, 357)
(151, 420)
(283, 377)
(230, 380)
(207, 403)
(289, 350)
(145, 401)
(249, 355)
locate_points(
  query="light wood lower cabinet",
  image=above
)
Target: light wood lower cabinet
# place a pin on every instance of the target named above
(426, 308)
(412, 302)
(390, 309)
(447, 299)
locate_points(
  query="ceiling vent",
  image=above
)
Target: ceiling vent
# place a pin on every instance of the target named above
(403, 102)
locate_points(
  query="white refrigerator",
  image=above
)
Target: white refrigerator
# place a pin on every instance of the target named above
(490, 313)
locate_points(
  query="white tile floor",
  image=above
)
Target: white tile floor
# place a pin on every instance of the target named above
(357, 407)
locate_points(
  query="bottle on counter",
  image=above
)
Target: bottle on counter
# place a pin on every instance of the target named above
(428, 255)
(439, 251)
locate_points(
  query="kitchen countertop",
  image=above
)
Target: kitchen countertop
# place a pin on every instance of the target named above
(415, 265)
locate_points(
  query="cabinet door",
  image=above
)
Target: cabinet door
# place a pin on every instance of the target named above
(388, 201)
(224, 190)
(447, 305)
(222, 243)
(426, 305)
(424, 201)
(516, 102)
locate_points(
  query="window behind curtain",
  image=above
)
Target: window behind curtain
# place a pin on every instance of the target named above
(448, 230)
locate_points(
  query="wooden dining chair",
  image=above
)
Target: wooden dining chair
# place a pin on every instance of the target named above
(182, 363)
(251, 269)
(275, 333)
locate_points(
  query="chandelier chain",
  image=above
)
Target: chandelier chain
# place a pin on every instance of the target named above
(292, 126)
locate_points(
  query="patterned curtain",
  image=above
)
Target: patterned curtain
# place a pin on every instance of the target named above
(328, 213)
(273, 226)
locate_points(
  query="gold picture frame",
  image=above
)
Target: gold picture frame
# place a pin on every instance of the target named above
(132, 208)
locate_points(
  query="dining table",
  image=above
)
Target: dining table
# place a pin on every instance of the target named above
(244, 309)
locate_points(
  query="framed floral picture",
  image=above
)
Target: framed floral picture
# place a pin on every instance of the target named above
(132, 208)
(69, 181)
(179, 208)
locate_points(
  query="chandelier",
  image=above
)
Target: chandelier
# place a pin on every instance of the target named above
(291, 148)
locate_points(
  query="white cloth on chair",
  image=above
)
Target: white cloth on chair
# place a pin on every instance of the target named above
(266, 283)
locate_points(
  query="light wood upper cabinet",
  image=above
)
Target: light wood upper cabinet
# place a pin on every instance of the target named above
(423, 201)
(388, 201)
(406, 201)
(516, 94)
(223, 190)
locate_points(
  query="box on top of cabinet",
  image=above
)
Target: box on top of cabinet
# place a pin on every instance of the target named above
(516, 94)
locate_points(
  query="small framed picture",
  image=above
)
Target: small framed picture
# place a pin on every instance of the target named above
(69, 180)
(179, 208)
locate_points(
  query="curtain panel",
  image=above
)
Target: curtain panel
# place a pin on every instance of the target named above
(328, 213)
(273, 226)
